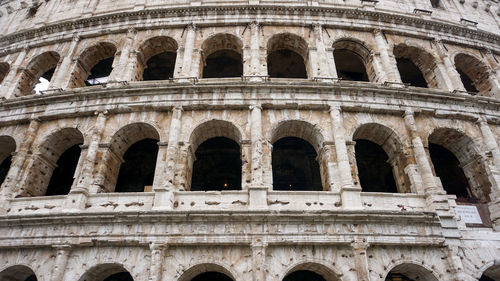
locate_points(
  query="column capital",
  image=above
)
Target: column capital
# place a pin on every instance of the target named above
(62, 247)
(254, 24)
(378, 31)
(101, 112)
(157, 246)
(191, 26)
(76, 37)
(255, 106)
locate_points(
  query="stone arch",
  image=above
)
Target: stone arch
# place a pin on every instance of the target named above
(156, 58)
(215, 142)
(325, 271)
(222, 56)
(473, 73)
(121, 141)
(294, 157)
(46, 157)
(490, 272)
(353, 60)
(18, 273)
(194, 271)
(7, 147)
(4, 69)
(101, 52)
(369, 138)
(102, 271)
(287, 56)
(415, 64)
(468, 154)
(411, 271)
(41, 66)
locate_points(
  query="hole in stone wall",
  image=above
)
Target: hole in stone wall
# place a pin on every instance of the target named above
(212, 276)
(217, 165)
(223, 63)
(100, 72)
(375, 174)
(295, 166)
(473, 73)
(160, 67)
(286, 64)
(138, 170)
(122, 276)
(410, 73)
(447, 168)
(302, 275)
(63, 175)
(349, 65)
(4, 168)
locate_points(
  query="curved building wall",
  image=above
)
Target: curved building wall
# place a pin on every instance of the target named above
(405, 76)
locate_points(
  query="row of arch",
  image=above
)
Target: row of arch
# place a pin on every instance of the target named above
(222, 56)
(213, 272)
(298, 163)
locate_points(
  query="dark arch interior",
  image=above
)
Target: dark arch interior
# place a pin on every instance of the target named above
(138, 169)
(303, 275)
(410, 73)
(31, 278)
(295, 166)
(375, 174)
(217, 165)
(100, 72)
(468, 83)
(63, 175)
(160, 67)
(122, 276)
(286, 63)
(396, 276)
(223, 63)
(212, 276)
(349, 65)
(447, 168)
(4, 168)
(435, 3)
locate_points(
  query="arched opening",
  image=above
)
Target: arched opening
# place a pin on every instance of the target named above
(131, 158)
(222, 56)
(302, 275)
(457, 162)
(473, 73)
(352, 61)
(491, 274)
(18, 273)
(212, 276)
(107, 272)
(37, 75)
(94, 65)
(207, 272)
(54, 164)
(410, 272)
(287, 56)
(217, 165)
(7, 147)
(380, 159)
(156, 60)
(62, 178)
(295, 166)
(435, 4)
(417, 66)
(4, 69)
(137, 170)
(311, 272)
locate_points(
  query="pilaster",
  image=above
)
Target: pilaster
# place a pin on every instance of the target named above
(61, 76)
(157, 257)
(62, 256)
(259, 247)
(10, 82)
(391, 73)
(188, 51)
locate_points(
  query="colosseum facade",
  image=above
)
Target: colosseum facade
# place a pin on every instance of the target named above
(211, 140)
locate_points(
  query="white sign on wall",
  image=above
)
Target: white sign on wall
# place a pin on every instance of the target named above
(469, 214)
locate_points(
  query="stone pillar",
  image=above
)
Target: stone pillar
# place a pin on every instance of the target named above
(61, 262)
(443, 75)
(22, 155)
(121, 67)
(10, 82)
(326, 160)
(490, 141)
(257, 191)
(156, 266)
(455, 79)
(160, 168)
(331, 62)
(312, 70)
(321, 66)
(389, 64)
(62, 75)
(359, 249)
(256, 67)
(495, 83)
(378, 68)
(259, 259)
(350, 195)
(188, 51)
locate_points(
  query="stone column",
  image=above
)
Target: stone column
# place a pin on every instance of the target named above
(160, 168)
(259, 259)
(10, 82)
(322, 69)
(443, 75)
(456, 81)
(495, 82)
(350, 195)
(327, 166)
(121, 67)
(156, 266)
(312, 63)
(256, 67)
(331, 62)
(22, 155)
(257, 191)
(388, 61)
(359, 249)
(378, 68)
(61, 262)
(490, 141)
(188, 51)
(62, 75)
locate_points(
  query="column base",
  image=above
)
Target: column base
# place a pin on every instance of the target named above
(164, 198)
(351, 198)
